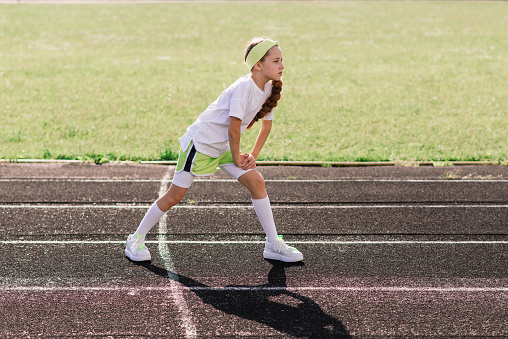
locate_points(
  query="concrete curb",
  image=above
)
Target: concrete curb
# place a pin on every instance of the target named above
(283, 163)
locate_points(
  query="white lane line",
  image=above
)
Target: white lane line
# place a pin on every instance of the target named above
(175, 287)
(76, 206)
(365, 180)
(76, 180)
(163, 241)
(292, 206)
(252, 289)
(88, 180)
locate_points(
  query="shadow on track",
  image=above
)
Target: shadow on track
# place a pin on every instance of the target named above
(305, 319)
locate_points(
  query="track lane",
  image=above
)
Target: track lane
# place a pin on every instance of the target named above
(325, 220)
(126, 171)
(366, 289)
(351, 290)
(219, 192)
(223, 263)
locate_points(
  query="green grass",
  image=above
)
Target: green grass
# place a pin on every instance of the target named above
(364, 81)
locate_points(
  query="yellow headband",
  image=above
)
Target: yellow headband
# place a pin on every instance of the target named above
(257, 52)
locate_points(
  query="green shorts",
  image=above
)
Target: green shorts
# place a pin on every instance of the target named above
(199, 164)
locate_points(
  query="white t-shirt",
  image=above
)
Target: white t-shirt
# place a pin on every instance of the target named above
(243, 100)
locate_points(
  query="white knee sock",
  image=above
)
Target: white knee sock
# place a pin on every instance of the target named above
(151, 218)
(265, 215)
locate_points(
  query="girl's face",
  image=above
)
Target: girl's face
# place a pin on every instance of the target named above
(272, 66)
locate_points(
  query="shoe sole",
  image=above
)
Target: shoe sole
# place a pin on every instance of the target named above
(132, 257)
(280, 257)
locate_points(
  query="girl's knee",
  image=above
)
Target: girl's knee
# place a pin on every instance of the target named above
(165, 203)
(255, 181)
(174, 200)
(172, 197)
(259, 181)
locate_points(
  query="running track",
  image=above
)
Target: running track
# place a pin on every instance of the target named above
(389, 251)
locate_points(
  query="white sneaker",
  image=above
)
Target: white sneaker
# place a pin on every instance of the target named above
(136, 250)
(280, 251)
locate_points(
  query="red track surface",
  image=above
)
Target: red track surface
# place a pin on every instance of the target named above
(389, 251)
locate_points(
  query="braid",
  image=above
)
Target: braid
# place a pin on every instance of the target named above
(270, 103)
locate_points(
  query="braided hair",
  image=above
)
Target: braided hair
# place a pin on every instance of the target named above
(272, 100)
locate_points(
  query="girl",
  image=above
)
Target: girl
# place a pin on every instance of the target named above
(214, 140)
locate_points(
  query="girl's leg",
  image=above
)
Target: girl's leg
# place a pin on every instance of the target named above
(255, 183)
(172, 197)
(275, 248)
(136, 250)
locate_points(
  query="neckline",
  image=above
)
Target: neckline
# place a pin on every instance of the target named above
(255, 85)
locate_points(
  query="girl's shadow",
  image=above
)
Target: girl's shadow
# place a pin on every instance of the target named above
(300, 316)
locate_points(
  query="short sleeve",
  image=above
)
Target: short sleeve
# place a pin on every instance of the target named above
(238, 100)
(269, 116)
(237, 109)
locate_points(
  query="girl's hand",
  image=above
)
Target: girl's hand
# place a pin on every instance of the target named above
(238, 161)
(247, 161)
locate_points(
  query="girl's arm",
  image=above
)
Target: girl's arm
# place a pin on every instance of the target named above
(266, 126)
(234, 140)
(245, 161)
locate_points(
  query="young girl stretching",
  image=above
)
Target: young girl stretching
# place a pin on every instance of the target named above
(214, 140)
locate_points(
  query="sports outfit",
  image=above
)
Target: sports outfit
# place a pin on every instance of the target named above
(204, 147)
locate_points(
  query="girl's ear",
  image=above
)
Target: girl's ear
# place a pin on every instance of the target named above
(257, 66)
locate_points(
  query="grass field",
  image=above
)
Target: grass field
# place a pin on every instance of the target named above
(364, 81)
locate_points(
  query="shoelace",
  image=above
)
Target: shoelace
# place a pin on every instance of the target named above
(281, 247)
(137, 245)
